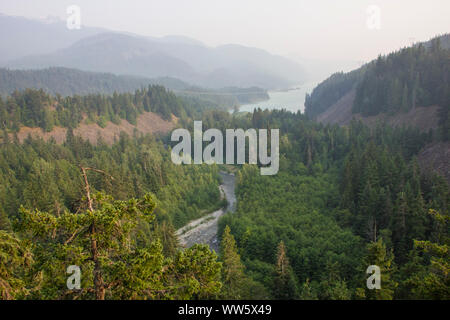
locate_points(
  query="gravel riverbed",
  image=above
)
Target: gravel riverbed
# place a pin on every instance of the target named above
(204, 230)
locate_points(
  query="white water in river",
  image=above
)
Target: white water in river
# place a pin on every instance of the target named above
(292, 99)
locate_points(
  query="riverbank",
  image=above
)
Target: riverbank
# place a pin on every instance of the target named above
(204, 230)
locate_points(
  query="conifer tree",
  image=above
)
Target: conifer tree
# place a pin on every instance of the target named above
(233, 268)
(15, 257)
(434, 283)
(167, 233)
(307, 292)
(333, 287)
(285, 285)
(100, 240)
(5, 224)
(379, 255)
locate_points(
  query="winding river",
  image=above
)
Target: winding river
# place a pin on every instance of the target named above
(204, 230)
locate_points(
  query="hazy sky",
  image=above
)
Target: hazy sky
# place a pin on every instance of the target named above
(322, 29)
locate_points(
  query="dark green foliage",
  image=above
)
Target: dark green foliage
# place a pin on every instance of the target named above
(290, 208)
(338, 190)
(285, 284)
(378, 255)
(413, 77)
(100, 241)
(233, 269)
(236, 283)
(308, 232)
(385, 193)
(404, 80)
(432, 281)
(5, 224)
(137, 165)
(15, 258)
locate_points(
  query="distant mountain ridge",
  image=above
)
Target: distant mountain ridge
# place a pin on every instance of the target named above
(68, 82)
(170, 56)
(22, 37)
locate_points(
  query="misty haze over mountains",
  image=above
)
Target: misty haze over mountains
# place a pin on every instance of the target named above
(22, 37)
(31, 44)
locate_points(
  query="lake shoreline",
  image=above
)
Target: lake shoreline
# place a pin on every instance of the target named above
(291, 99)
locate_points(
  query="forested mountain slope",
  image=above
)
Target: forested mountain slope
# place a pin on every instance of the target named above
(37, 109)
(396, 85)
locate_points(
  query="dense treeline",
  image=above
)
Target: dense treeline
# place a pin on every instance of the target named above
(35, 108)
(345, 198)
(138, 166)
(388, 197)
(403, 80)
